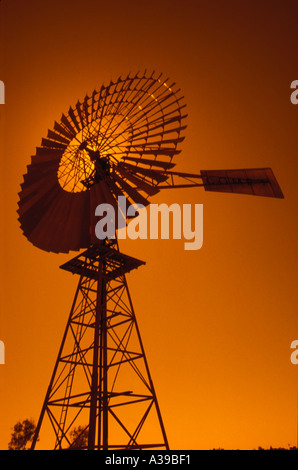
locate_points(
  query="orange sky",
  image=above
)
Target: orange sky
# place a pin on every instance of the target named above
(217, 323)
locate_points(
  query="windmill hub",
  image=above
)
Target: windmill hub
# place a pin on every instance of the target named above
(102, 165)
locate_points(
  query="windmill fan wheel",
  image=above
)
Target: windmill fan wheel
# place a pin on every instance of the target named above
(119, 141)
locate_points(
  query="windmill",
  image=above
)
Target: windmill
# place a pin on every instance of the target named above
(119, 141)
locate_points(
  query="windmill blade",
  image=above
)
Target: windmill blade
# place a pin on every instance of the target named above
(154, 151)
(254, 181)
(34, 214)
(140, 183)
(117, 192)
(86, 108)
(158, 177)
(74, 120)
(68, 125)
(31, 193)
(57, 137)
(164, 125)
(64, 225)
(37, 172)
(144, 161)
(140, 135)
(46, 154)
(133, 193)
(93, 101)
(52, 144)
(73, 233)
(80, 114)
(41, 234)
(63, 131)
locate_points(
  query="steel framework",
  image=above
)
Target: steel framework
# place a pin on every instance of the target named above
(101, 381)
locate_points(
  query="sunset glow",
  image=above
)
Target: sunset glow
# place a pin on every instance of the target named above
(217, 323)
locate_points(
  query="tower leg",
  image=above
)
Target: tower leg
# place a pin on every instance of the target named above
(101, 385)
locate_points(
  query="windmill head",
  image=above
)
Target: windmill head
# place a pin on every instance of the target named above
(119, 141)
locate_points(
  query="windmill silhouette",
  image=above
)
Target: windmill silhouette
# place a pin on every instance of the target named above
(119, 141)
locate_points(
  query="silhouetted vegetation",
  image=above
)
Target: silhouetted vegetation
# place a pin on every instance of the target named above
(22, 435)
(23, 432)
(279, 448)
(79, 438)
(262, 448)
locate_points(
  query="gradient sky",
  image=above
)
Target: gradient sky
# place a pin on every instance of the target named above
(217, 323)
